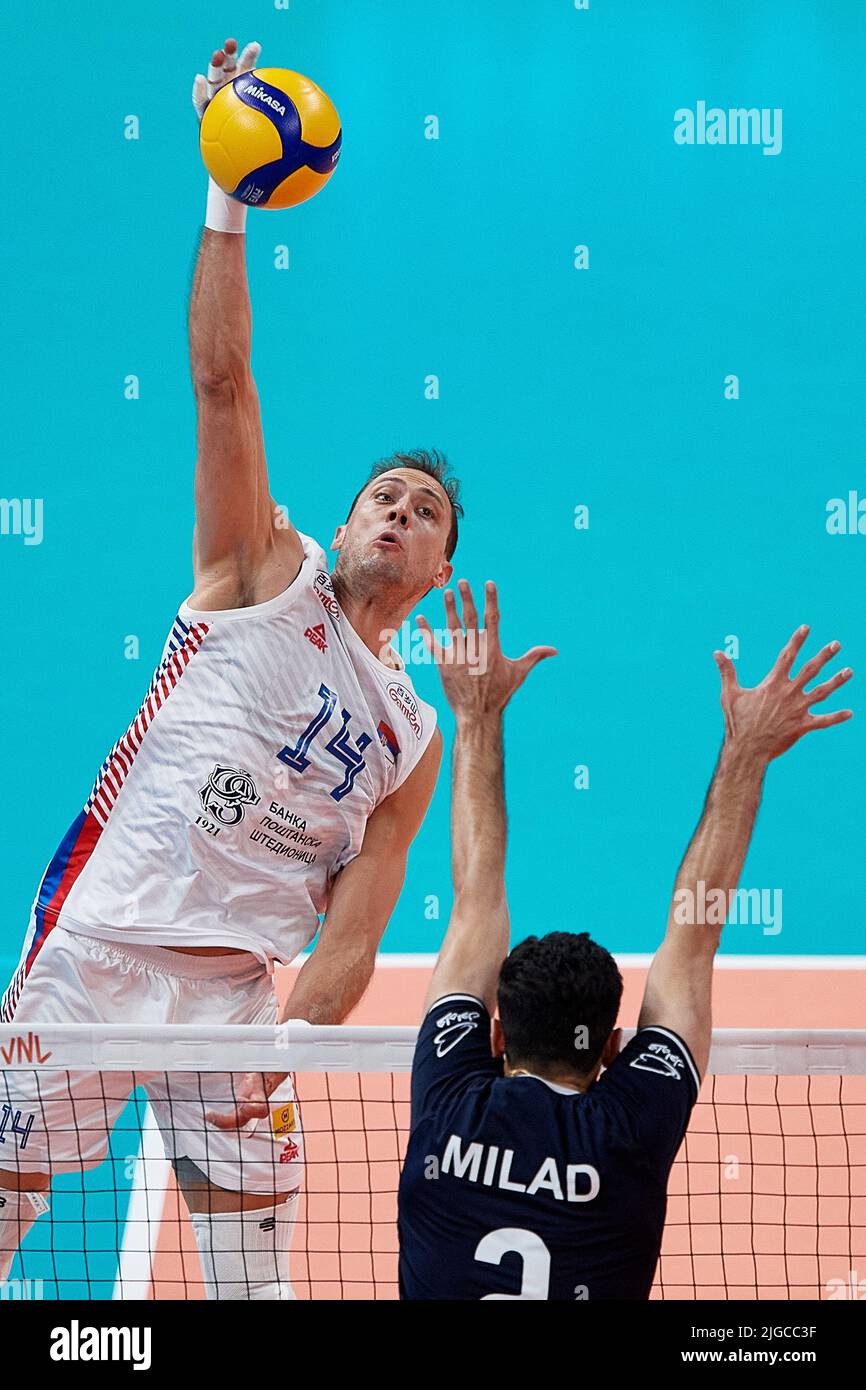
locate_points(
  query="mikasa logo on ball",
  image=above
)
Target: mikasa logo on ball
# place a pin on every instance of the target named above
(261, 95)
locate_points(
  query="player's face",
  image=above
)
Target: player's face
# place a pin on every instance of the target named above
(397, 533)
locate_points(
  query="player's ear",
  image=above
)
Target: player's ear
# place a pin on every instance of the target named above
(339, 537)
(497, 1038)
(442, 575)
(611, 1047)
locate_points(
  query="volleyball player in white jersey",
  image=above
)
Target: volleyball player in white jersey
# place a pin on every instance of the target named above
(278, 769)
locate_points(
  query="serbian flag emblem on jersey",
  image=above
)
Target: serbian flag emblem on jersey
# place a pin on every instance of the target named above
(388, 740)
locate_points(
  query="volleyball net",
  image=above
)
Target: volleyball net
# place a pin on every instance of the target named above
(767, 1198)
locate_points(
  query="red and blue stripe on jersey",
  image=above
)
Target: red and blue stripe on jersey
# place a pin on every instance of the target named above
(81, 838)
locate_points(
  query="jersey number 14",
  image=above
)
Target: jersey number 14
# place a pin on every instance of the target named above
(341, 746)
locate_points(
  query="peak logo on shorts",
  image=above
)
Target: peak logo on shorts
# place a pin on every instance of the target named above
(453, 1028)
(660, 1059)
(407, 705)
(226, 792)
(324, 591)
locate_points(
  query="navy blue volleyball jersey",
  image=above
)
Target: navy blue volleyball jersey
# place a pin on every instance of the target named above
(515, 1188)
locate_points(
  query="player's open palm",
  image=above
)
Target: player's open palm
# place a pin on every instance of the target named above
(476, 677)
(224, 66)
(769, 718)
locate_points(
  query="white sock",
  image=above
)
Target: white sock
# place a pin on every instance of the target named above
(18, 1211)
(245, 1254)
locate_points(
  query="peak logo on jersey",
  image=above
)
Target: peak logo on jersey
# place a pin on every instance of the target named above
(407, 705)
(660, 1059)
(290, 1152)
(283, 1120)
(316, 635)
(226, 792)
(388, 740)
(453, 1028)
(324, 591)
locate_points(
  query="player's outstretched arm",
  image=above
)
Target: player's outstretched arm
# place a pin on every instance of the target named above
(240, 556)
(478, 682)
(760, 724)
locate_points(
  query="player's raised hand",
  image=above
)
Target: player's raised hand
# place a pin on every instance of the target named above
(476, 677)
(252, 1100)
(224, 66)
(769, 718)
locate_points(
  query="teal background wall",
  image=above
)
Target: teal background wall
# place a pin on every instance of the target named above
(558, 387)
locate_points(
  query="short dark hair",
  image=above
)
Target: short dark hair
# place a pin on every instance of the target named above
(551, 986)
(435, 465)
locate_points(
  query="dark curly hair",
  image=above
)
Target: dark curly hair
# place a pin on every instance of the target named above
(435, 465)
(559, 996)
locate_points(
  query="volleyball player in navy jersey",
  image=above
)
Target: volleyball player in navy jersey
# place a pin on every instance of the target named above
(530, 1172)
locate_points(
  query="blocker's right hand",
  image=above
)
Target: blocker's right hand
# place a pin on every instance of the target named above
(224, 67)
(477, 677)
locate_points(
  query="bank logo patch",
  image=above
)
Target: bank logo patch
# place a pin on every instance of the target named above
(227, 792)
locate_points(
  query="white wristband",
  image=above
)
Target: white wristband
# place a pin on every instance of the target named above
(224, 214)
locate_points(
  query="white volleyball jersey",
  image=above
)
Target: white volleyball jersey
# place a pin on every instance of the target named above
(243, 785)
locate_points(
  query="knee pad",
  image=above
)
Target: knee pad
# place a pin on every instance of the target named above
(245, 1254)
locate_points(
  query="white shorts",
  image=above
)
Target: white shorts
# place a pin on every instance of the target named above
(80, 979)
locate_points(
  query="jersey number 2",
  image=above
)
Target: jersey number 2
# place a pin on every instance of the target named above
(346, 750)
(535, 1280)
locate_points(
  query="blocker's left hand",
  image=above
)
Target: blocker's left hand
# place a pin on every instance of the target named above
(224, 67)
(768, 719)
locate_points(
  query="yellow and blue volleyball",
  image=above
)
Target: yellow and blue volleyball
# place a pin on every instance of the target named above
(271, 138)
